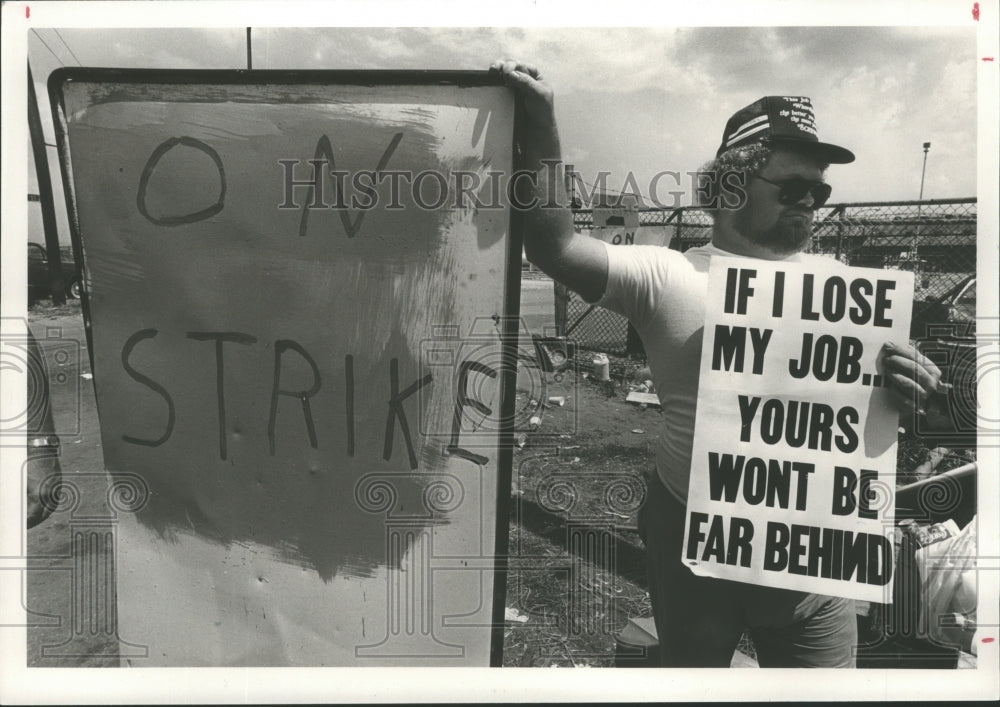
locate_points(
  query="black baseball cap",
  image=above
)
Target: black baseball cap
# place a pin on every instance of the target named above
(782, 121)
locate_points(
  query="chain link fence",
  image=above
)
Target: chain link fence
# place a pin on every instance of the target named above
(936, 239)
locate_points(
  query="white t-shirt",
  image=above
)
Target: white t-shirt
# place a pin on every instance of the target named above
(662, 292)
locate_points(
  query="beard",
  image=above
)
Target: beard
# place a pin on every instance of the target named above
(786, 236)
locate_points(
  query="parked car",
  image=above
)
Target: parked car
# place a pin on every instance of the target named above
(944, 329)
(950, 314)
(38, 272)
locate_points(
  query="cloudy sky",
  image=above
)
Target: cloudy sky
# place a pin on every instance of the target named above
(643, 99)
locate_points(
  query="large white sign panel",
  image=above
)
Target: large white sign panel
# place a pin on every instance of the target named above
(297, 310)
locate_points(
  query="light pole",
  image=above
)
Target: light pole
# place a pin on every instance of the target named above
(916, 234)
(927, 147)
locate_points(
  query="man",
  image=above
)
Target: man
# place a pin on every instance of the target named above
(700, 620)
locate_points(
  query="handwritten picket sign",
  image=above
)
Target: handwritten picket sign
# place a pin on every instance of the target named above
(300, 355)
(794, 455)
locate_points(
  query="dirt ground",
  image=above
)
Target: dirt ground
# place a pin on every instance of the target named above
(577, 570)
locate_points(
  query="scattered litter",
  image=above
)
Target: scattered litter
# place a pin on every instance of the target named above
(637, 431)
(642, 398)
(534, 422)
(934, 458)
(576, 460)
(87, 376)
(645, 386)
(522, 439)
(620, 515)
(602, 367)
(574, 446)
(557, 400)
(512, 614)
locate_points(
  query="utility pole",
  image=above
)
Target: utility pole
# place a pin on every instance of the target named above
(923, 172)
(250, 52)
(56, 284)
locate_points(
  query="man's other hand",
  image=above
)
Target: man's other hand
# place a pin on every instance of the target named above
(912, 377)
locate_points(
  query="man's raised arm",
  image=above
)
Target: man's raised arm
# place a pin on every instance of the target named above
(575, 260)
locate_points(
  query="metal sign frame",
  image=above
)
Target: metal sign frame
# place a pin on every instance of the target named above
(511, 305)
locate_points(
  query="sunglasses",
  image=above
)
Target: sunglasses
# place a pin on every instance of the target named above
(794, 189)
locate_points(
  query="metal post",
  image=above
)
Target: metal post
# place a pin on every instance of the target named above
(249, 51)
(560, 295)
(679, 229)
(840, 232)
(56, 285)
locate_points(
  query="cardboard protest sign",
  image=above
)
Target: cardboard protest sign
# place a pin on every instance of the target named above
(619, 225)
(298, 288)
(640, 235)
(794, 455)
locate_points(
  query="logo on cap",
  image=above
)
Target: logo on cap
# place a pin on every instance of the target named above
(787, 120)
